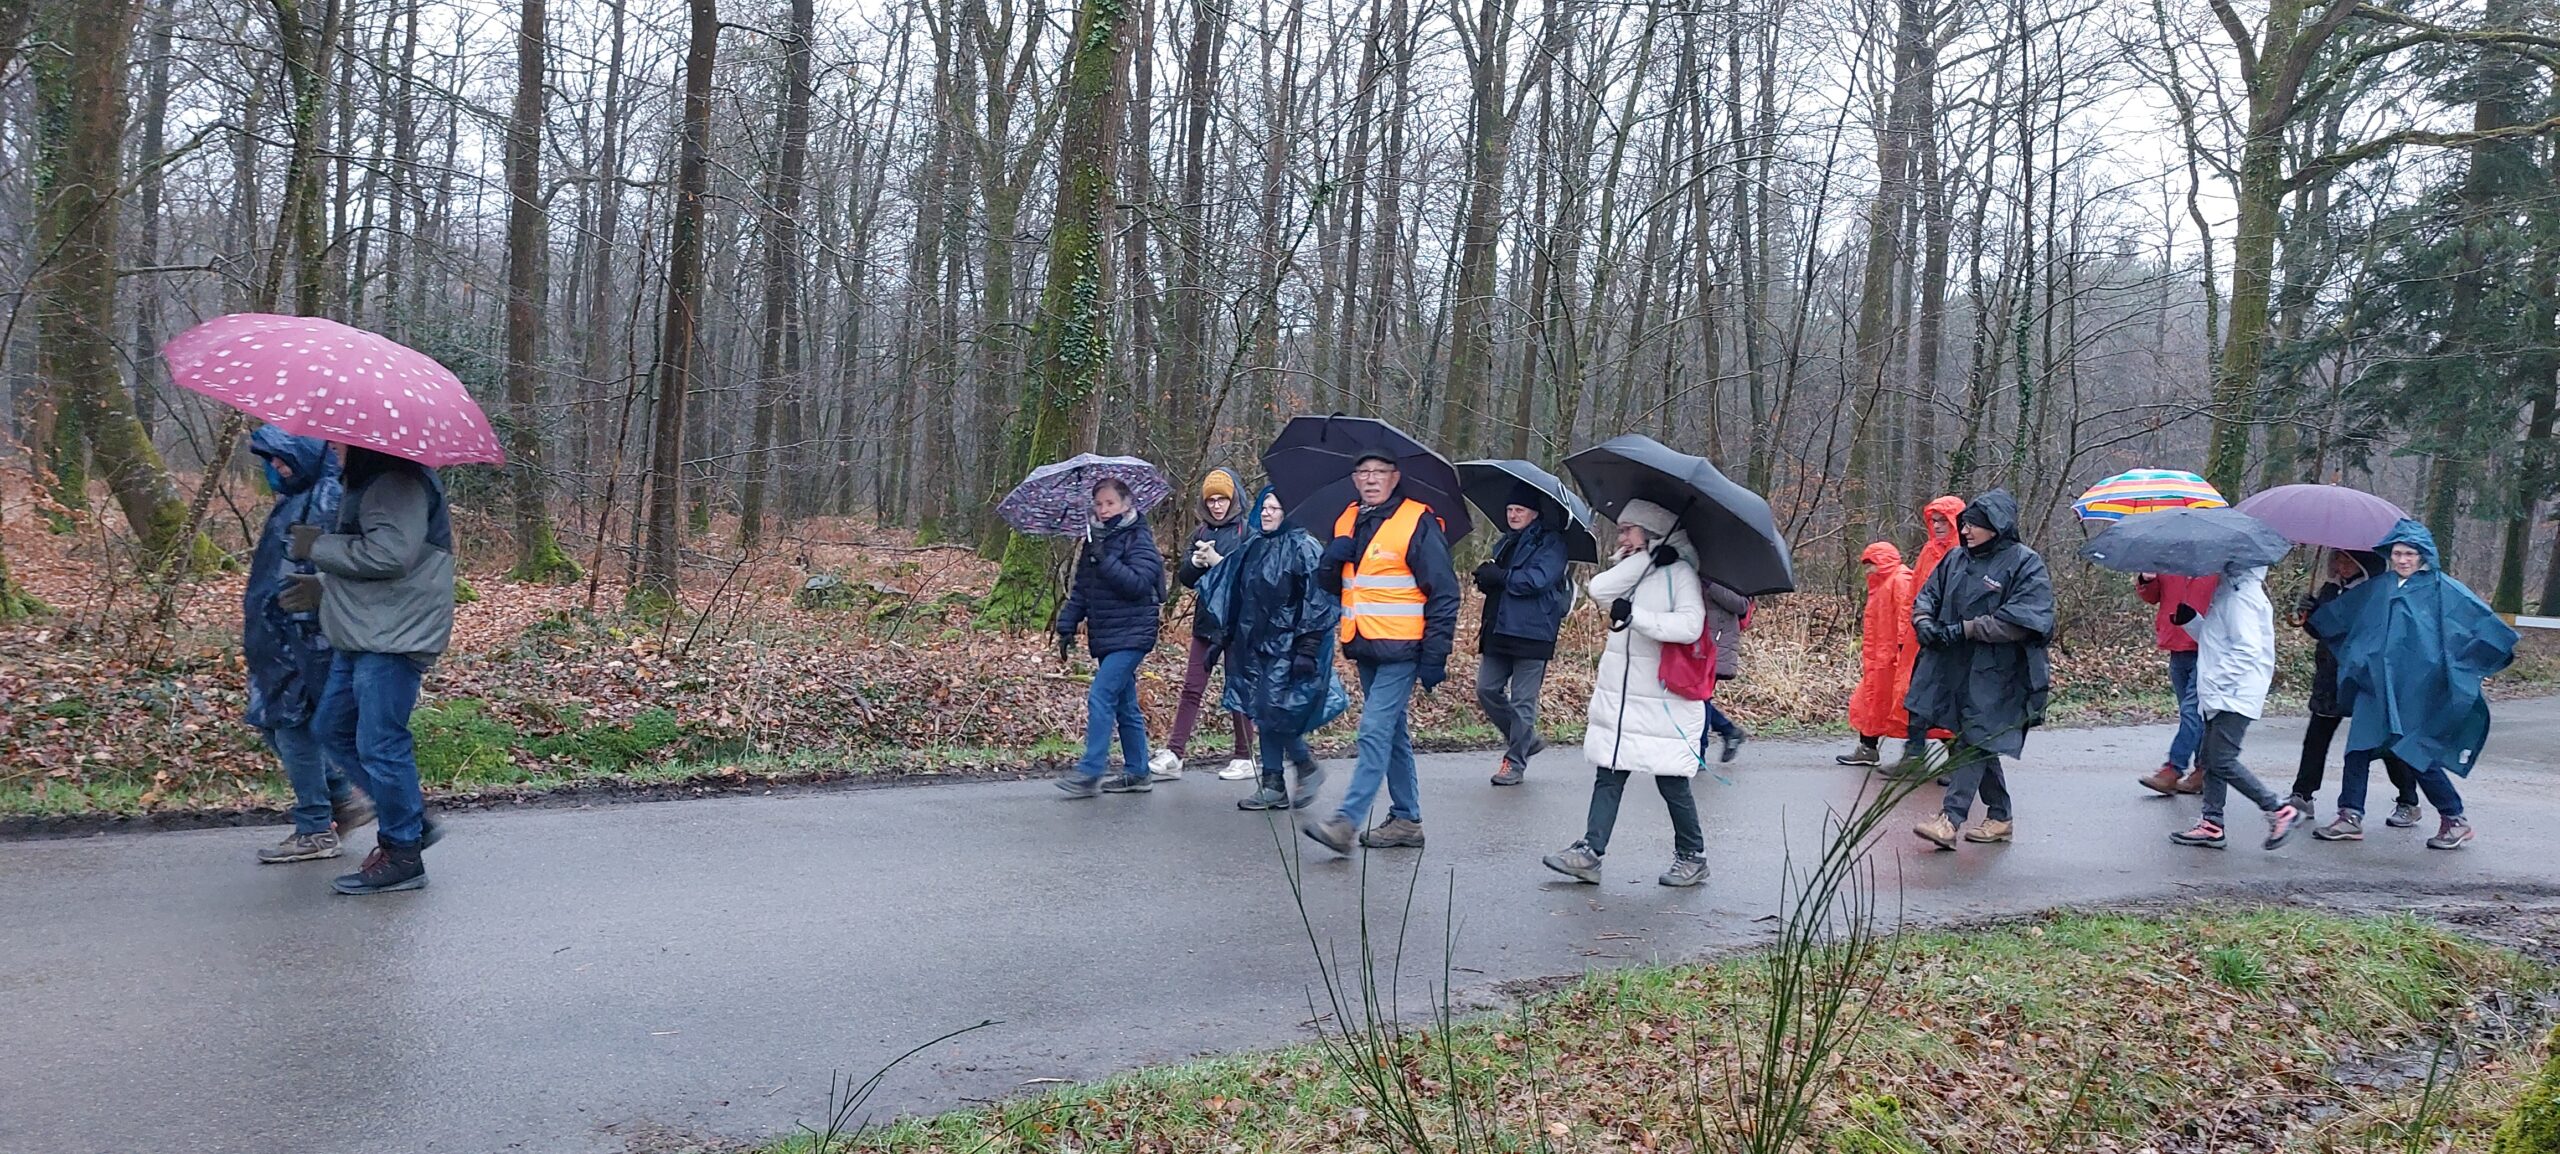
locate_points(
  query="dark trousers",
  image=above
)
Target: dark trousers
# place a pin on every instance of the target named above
(2315, 761)
(2437, 784)
(1195, 684)
(1279, 751)
(2219, 756)
(1608, 786)
(1717, 723)
(1507, 692)
(1971, 771)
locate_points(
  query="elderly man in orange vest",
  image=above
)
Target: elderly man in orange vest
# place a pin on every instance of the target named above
(1399, 593)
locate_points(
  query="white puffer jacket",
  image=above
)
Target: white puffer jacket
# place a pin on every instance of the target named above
(1636, 724)
(2236, 647)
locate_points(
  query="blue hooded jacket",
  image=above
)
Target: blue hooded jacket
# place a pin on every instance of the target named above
(2411, 656)
(287, 658)
(1280, 621)
(1521, 618)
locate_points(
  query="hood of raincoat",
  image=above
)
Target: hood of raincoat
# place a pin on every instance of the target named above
(2236, 646)
(2411, 534)
(1279, 619)
(2411, 658)
(1998, 512)
(1940, 519)
(1881, 560)
(284, 654)
(308, 457)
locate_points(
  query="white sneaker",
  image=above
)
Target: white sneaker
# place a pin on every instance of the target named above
(1239, 770)
(1164, 766)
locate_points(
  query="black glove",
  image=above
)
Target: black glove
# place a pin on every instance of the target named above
(1488, 578)
(1432, 674)
(1932, 634)
(1664, 556)
(1302, 668)
(301, 592)
(1341, 551)
(1621, 611)
(299, 547)
(2184, 614)
(1066, 645)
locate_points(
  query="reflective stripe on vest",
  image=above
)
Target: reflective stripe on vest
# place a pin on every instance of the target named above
(1380, 599)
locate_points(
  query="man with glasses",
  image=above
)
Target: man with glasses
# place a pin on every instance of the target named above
(1390, 563)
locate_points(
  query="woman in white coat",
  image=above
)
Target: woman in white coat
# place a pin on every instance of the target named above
(2235, 662)
(1637, 726)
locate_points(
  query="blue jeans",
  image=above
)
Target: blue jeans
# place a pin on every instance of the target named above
(1278, 750)
(2435, 783)
(316, 779)
(363, 721)
(1113, 702)
(1720, 725)
(1386, 744)
(2182, 679)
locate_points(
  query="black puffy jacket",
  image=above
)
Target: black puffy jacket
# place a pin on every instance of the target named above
(1119, 583)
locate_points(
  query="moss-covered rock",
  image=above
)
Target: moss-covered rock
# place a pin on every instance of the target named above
(2534, 1127)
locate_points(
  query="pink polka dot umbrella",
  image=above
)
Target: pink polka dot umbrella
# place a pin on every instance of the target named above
(319, 378)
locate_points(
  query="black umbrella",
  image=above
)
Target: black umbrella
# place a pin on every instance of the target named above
(1310, 462)
(1738, 543)
(2187, 542)
(1490, 483)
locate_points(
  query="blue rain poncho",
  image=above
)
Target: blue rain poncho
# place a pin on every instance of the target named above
(1280, 622)
(2411, 656)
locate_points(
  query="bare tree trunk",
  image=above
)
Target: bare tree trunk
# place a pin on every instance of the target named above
(146, 307)
(778, 354)
(595, 357)
(657, 586)
(538, 555)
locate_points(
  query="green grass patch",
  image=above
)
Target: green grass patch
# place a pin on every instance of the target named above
(457, 742)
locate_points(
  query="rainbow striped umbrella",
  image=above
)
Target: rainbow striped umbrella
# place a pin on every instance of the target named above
(2146, 491)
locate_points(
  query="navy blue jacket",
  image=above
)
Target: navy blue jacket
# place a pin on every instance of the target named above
(287, 658)
(1118, 584)
(1523, 614)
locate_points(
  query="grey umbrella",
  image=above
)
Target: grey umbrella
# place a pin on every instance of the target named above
(1738, 543)
(2188, 543)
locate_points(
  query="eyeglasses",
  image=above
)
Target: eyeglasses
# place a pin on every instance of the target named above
(1373, 474)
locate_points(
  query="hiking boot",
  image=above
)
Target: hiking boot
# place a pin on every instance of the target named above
(1510, 773)
(1333, 833)
(1732, 746)
(2206, 834)
(1394, 833)
(1077, 786)
(2281, 822)
(1537, 744)
(2163, 781)
(1163, 765)
(1938, 831)
(1865, 754)
(1239, 770)
(1310, 779)
(302, 847)
(1576, 862)
(2347, 826)
(2450, 834)
(1267, 797)
(1128, 783)
(2304, 806)
(350, 811)
(2193, 782)
(429, 832)
(2402, 817)
(1989, 832)
(391, 866)
(1684, 872)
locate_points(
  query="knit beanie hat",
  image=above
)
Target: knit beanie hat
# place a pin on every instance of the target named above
(1524, 496)
(1651, 518)
(1218, 484)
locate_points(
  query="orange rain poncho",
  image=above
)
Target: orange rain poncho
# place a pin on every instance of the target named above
(1940, 518)
(1887, 649)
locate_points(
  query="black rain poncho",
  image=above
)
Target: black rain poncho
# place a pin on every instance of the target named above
(1989, 694)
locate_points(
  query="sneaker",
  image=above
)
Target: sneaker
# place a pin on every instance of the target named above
(2193, 782)
(1239, 770)
(1310, 779)
(1576, 862)
(2205, 834)
(1684, 872)
(1510, 773)
(1333, 833)
(2347, 826)
(429, 832)
(2163, 781)
(1128, 783)
(302, 847)
(2304, 806)
(389, 867)
(1733, 745)
(1163, 765)
(1989, 832)
(1394, 833)
(2402, 817)
(1865, 754)
(2450, 834)
(1937, 831)
(350, 811)
(1077, 785)
(2281, 822)
(1266, 797)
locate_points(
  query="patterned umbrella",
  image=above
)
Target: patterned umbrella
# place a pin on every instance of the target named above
(319, 378)
(1056, 500)
(2146, 491)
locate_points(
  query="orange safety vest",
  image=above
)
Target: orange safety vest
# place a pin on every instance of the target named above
(1380, 600)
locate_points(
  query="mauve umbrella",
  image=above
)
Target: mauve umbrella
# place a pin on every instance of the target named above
(1489, 485)
(318, 378)
(1056, 500)
(1738, 543)
(2330, 516)
(2187, 542)
(1310, 462)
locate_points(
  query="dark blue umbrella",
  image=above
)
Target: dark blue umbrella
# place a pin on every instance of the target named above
(1310, 462)
(1738, 543)
(2188, 543)
(1490, 484)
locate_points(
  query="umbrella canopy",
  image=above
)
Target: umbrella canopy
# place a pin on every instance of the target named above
(1490, 484)
(2187, 542)
(2146, 491)
(2331, 516)
(318, 378)
(1309, 464)
(1056, 500)
(1738, 543)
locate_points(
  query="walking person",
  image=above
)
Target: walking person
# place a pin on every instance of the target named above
(384, 594)
(1399, 591)
(286, 655)
(2346, 570)
(1280, 672)
(2235, 662)
(1885, 653)
(1222, 533)
(1119, 582)
(1525, 598)
(2167, 593)
(1728, 613)
(2413, 646)
(1938, 519)
(1984, 620)
(1635, 724)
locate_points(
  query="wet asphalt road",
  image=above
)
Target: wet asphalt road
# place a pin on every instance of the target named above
(576, 978)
